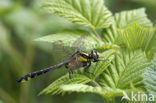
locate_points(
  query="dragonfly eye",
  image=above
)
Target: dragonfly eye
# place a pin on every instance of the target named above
(94, 54)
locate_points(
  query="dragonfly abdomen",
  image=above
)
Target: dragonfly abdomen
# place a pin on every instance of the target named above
(32, 75)
(35, 74)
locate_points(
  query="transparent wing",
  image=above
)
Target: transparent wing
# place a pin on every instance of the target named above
(78, 44)
(60, 52)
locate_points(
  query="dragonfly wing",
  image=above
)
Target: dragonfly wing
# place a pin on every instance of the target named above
(78, 44)
(60, 53)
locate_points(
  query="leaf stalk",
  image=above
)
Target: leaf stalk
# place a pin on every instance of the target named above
(96, 34)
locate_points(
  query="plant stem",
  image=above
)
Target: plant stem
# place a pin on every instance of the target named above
(95, 83)
(96, 34)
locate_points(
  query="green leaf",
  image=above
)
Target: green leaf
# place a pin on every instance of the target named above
(65, 36)
(127, 68)
(110, 34)
(150, 53)
(68, 37)
(54, 88)
(107, 46)
(136, 36)
(126, 18)
(150, 78)
(91, 13)
(106, 91)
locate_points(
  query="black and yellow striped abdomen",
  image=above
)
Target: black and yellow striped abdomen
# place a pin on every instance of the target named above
(32, 75)
(35, 74)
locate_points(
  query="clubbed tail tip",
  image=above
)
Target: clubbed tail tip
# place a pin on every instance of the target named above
(23, 79)
(32, 75)
(19, 80)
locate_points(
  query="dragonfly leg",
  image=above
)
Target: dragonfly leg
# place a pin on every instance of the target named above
(87, 67)
(100, 60)
(70, 72)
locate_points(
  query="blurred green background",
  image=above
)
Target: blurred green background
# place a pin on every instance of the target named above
(21, 21)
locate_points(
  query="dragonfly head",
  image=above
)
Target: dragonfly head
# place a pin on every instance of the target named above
(94, 55)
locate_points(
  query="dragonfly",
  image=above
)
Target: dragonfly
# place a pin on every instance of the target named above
(77, 60)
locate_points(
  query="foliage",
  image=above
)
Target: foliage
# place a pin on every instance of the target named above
(125, 69)
(122, 20)
(90, 13)
(54, 88)
(124, 40)
(105, 91)
(150, 78)
(126, 18)
(68, 37)
(135, 36)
